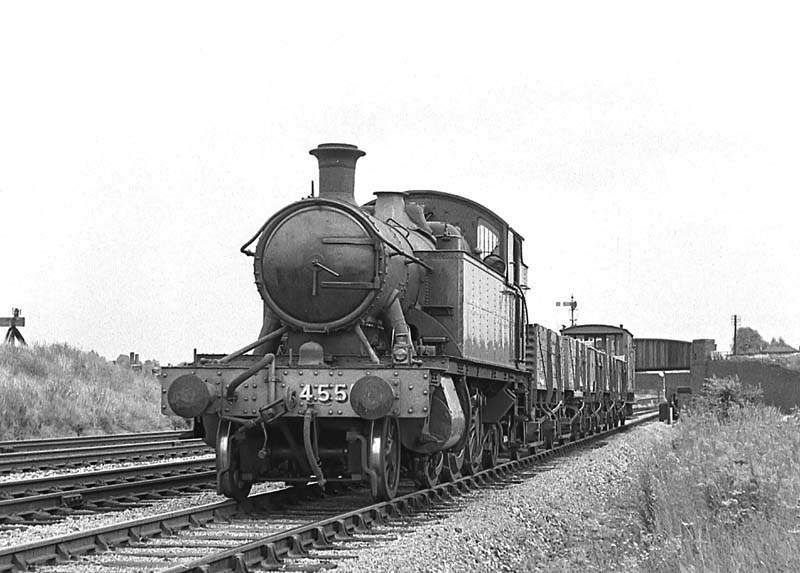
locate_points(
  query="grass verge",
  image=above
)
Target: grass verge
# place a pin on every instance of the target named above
(724, 494)
(719, 491)
(56, 390)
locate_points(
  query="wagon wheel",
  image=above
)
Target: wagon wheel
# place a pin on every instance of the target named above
(473, 449)
(491, 448)
(384, 457)
(429, 469)
(453, 461)
(229, 473)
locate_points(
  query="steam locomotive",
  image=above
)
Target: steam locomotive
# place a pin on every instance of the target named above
(395, 339)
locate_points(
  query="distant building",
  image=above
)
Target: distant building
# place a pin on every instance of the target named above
(132, 361)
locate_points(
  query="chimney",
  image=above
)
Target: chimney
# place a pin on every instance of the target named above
(337, 170)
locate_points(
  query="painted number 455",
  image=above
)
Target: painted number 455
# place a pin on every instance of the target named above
(324, 393)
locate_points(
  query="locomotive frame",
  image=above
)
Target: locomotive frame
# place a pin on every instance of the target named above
(395, 339)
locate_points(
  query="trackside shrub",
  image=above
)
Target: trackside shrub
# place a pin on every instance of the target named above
(720, 395)
(56, 390)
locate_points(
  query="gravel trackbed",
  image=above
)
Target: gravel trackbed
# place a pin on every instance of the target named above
(569, 517)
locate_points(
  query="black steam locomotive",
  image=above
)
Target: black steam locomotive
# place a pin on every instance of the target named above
(395, 339)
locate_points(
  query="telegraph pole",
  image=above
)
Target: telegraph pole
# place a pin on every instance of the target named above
(572, 304)
(13, 322)
(735, 319)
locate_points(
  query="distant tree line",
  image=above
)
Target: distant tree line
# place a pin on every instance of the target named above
(749, 341)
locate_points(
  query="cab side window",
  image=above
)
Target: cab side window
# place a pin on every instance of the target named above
(487, 239)
(489, 247)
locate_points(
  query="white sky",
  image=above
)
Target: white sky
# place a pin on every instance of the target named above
(647, 152)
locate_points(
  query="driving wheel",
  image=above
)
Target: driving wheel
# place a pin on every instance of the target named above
(453, 461)
(428, 469)
(491, 446)
(473, 449)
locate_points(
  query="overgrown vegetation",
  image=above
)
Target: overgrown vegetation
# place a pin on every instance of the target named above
(725, 494)
(57, 390)
(749, 341)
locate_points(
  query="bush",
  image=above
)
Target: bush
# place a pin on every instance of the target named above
(719, 395)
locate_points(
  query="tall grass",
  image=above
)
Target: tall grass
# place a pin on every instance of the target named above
(725, 494)
(57, 390)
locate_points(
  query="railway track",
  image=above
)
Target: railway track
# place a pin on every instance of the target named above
(51, 499)
(7, 447)
(87, 455)
(270, 530)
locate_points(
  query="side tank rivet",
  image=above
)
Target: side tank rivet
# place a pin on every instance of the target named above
(316, 373)
(410, 386)
(330, 373)
(424, 376)
(163, 390)
(424, 408)
(163, 406)
(300, 372)
(340, 412)
(411, 410)
(330, 411)
(246, 386)
(424, 392)
(219, 373)
(395, 373)
(340, 372)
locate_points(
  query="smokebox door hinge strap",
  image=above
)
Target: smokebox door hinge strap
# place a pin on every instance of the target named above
(365, 241)
(356, 285)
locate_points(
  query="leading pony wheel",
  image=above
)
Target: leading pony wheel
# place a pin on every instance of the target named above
(384, 457)
(229, 473)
